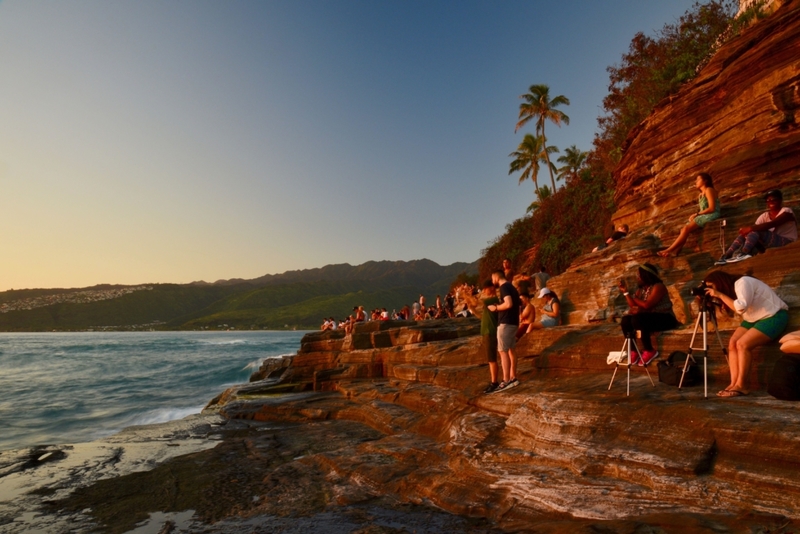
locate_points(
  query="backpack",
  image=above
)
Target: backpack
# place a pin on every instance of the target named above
(784, 380)
(670, 370)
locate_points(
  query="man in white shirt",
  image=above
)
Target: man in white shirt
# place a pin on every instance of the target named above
(774, 228)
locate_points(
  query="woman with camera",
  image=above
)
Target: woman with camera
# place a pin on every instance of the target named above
(764, 317)
(650, 311)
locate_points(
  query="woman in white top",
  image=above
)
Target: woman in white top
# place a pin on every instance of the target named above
(764, 316)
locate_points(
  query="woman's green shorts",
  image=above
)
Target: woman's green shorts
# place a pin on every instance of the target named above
(771, 327)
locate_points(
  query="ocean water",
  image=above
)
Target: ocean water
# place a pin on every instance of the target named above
(75, 387)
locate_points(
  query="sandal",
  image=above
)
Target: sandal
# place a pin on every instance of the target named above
(728, 393)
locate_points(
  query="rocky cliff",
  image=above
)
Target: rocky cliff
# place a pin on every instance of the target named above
(382, 428)
(562, 452)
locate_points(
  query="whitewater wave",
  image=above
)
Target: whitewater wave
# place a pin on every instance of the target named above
(252, 365)
(255, 364)
(163, 415)
(226, 342)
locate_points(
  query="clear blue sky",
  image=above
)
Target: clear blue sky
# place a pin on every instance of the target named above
(177, 141)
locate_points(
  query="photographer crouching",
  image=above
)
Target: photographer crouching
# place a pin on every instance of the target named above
(764, 318)
(650, 311)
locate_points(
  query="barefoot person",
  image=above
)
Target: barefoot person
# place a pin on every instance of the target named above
(764, 315)
(709, 209)
(508, 322)
(774, 228)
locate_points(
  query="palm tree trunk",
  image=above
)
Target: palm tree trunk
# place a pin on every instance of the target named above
(547, 157)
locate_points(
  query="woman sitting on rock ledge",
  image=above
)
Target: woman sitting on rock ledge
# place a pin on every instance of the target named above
(551, 311)
(764, 315)
(708, 204)
(651, 311)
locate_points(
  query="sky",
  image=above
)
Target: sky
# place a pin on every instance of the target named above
(170, 142)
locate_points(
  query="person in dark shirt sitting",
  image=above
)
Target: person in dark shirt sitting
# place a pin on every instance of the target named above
(774, 228)
(622, 231)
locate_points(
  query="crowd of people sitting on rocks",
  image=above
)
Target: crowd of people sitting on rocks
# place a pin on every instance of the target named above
(418, 311)
(764, 314)
(507, 312)
(506, 307)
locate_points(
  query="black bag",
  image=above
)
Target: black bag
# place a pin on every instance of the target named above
(669, 371)
(784, 381)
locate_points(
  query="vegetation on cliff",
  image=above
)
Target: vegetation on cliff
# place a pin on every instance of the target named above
(570, 221)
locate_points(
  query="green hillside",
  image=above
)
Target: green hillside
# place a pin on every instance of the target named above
(296, 299)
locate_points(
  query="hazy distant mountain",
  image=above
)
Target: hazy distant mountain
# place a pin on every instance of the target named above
(294, 299)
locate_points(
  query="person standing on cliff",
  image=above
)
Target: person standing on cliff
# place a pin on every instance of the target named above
(488, 329)
(540, 279)
(508, 270)
(508, 322)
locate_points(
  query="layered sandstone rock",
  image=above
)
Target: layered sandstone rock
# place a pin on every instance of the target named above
(562, 444)
(393, 415)
(736, 121)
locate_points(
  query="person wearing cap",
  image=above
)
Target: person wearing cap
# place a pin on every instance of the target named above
(774, 228)
(551, 311)
(650, 311)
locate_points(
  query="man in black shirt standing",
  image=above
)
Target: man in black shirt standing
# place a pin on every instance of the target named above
(508, 322)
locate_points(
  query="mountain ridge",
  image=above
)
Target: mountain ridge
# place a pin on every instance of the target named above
(293, 299)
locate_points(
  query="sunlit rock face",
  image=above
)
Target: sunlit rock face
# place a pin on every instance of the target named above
(738, 121)
(560, 452)
(563, 451)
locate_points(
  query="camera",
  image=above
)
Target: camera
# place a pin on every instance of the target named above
(700, 291)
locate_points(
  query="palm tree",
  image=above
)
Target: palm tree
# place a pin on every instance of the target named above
(528, 157)
(573, 160)
(537, 104)
(544, 193)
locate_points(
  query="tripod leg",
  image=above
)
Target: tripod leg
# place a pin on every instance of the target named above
(685, 368)
(631, 343)
(700, 319)
(649, 376)
(616, 367)
(628, 390)
(719, 336)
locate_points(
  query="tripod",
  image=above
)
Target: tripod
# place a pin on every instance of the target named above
(627, 346)
(706, 309)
